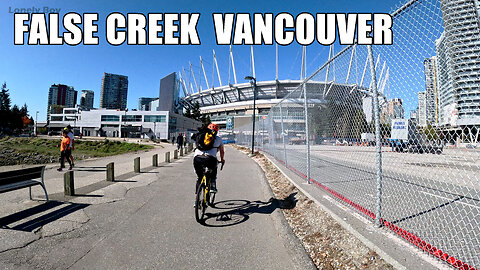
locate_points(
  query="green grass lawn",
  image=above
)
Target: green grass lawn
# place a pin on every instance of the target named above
(85, 148)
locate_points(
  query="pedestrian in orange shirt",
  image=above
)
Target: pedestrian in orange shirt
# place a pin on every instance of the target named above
(65, 151)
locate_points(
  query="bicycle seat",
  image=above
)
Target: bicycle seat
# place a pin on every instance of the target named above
(206, 170)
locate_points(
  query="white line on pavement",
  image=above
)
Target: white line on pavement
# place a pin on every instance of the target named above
(445, 198)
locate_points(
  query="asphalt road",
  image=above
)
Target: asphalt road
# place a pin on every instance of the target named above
(151, 225)
(440, 204)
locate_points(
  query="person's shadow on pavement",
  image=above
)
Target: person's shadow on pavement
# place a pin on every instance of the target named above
(233, 212)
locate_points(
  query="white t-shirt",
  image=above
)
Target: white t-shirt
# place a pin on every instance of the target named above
(70, 135)
(212, 152)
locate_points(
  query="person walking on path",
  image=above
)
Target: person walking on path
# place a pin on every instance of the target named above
(65, 151)
(179, 141)
(72, 143)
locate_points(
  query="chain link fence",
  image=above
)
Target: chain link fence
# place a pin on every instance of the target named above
(393, 131)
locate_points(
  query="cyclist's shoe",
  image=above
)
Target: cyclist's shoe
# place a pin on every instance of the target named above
(213, 187)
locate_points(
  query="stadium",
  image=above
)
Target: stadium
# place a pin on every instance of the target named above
(231, 106)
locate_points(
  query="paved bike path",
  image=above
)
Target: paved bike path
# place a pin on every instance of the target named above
(154, 227)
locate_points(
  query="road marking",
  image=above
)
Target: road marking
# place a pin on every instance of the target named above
(438, 196)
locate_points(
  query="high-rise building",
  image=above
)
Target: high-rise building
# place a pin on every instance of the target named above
(392, 109)
(447, 102)
(114, 91)
(422, 109)
(431, 101)
(413, 116)
(60, 96)
(86, 99)
(457, 52)
(144, 103)
(169, 95)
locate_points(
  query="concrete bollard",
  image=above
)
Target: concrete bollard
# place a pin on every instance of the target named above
(110, 172)
(136, 165)
(167, 157)
(155, 160)
(68, 183)
(181, 151)
(175, 154)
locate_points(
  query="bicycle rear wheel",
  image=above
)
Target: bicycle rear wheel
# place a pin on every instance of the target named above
(200, 203)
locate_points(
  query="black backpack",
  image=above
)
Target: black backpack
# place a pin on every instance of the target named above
(204, 139)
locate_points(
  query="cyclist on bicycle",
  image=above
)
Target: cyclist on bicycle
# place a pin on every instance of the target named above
(208, 144)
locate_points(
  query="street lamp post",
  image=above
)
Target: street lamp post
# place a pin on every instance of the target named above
(253, 81)
(155, 128)
(36, 125)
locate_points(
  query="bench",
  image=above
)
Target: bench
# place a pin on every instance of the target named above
(17, 179)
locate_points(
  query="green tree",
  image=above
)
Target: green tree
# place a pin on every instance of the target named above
(206, 120)
(196, 111)
(15, 109)
(430, 133)
(24, 110)
(188, 112)
(15, 120)
(12, 119)
(4, 98)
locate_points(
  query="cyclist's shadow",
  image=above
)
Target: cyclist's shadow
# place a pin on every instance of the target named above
(233, 212)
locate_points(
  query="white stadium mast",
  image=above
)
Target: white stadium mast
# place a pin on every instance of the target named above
(276, 62)
(303, 72)
(193, 74)
(233, 65)
(204, 74)
(185, 89)
(185, 83)
(253, 62)
(216, 64)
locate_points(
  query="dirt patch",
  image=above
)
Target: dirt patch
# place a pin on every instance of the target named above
(327, 243)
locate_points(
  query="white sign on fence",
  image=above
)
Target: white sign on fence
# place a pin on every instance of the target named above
(399, 129)
(368, 108)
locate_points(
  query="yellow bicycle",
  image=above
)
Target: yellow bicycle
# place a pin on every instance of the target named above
(204, 196)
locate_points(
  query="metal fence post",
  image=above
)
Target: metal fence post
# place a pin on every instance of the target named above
(307, 131)
(272, 139)
(263, 125)
(283, 136)
(378, 140)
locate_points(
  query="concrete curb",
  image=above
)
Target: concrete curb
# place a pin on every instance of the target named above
(294, 246)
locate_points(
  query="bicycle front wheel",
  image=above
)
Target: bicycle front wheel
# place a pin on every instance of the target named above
(200, 203)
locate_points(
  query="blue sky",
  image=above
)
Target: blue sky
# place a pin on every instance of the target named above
(30, 70)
